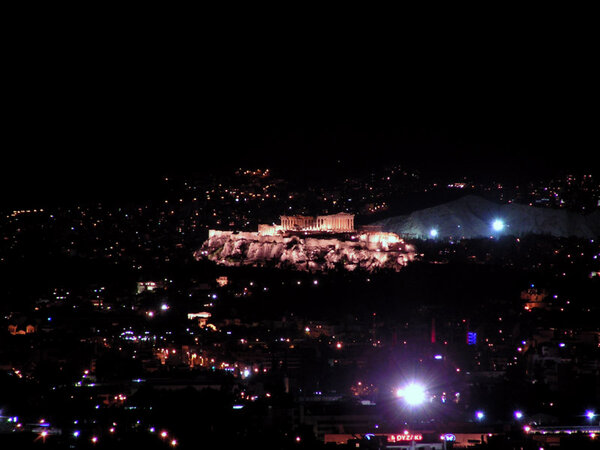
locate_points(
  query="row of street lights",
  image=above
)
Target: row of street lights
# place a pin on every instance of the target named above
(415, 394)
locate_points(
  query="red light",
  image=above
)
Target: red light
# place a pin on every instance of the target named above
(404, 437)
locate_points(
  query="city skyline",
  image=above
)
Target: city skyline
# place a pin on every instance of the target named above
(296, 336)
(218, 231)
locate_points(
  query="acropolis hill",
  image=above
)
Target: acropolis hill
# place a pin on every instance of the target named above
(309, 243)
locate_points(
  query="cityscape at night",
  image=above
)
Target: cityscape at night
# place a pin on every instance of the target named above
(216, 247)
(174, 321)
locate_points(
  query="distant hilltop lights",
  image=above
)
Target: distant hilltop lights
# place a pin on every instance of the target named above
(497, 226)
(25, 211)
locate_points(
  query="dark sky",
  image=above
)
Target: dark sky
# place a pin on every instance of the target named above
(109, 111)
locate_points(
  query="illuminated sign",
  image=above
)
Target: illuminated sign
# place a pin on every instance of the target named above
(404, 437)
(471, 338)
(448, 437)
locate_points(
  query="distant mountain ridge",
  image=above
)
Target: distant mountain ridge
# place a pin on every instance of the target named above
(472, 216)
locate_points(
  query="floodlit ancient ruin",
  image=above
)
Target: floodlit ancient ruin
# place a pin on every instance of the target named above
(309, 243)
(334, 223)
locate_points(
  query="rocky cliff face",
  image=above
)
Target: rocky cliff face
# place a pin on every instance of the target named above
(304, 253)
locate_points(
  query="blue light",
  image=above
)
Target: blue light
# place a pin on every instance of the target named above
(497, 225)
(471, 338)
(480, 415)
(433, 233)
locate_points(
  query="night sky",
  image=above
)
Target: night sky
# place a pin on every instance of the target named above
(110, 113)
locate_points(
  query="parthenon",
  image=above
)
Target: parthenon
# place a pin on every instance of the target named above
(341, 222)
(335, 223)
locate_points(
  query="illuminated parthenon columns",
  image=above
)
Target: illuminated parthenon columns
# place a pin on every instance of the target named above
(341, 222)
(336, 222)
(297, 222)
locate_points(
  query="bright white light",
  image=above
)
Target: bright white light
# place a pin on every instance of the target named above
(518, 415)
(433, 233)
(590, 414)
(480, 415)
(164, 306)
(497, 225)
(413, 394)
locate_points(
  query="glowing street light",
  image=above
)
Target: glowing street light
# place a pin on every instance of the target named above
(518, 415)
(480, 415)
(433, 233)
(497, 225)
(590, 414)
(413, 394)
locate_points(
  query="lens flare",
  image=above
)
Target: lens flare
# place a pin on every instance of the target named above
(413, 394)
